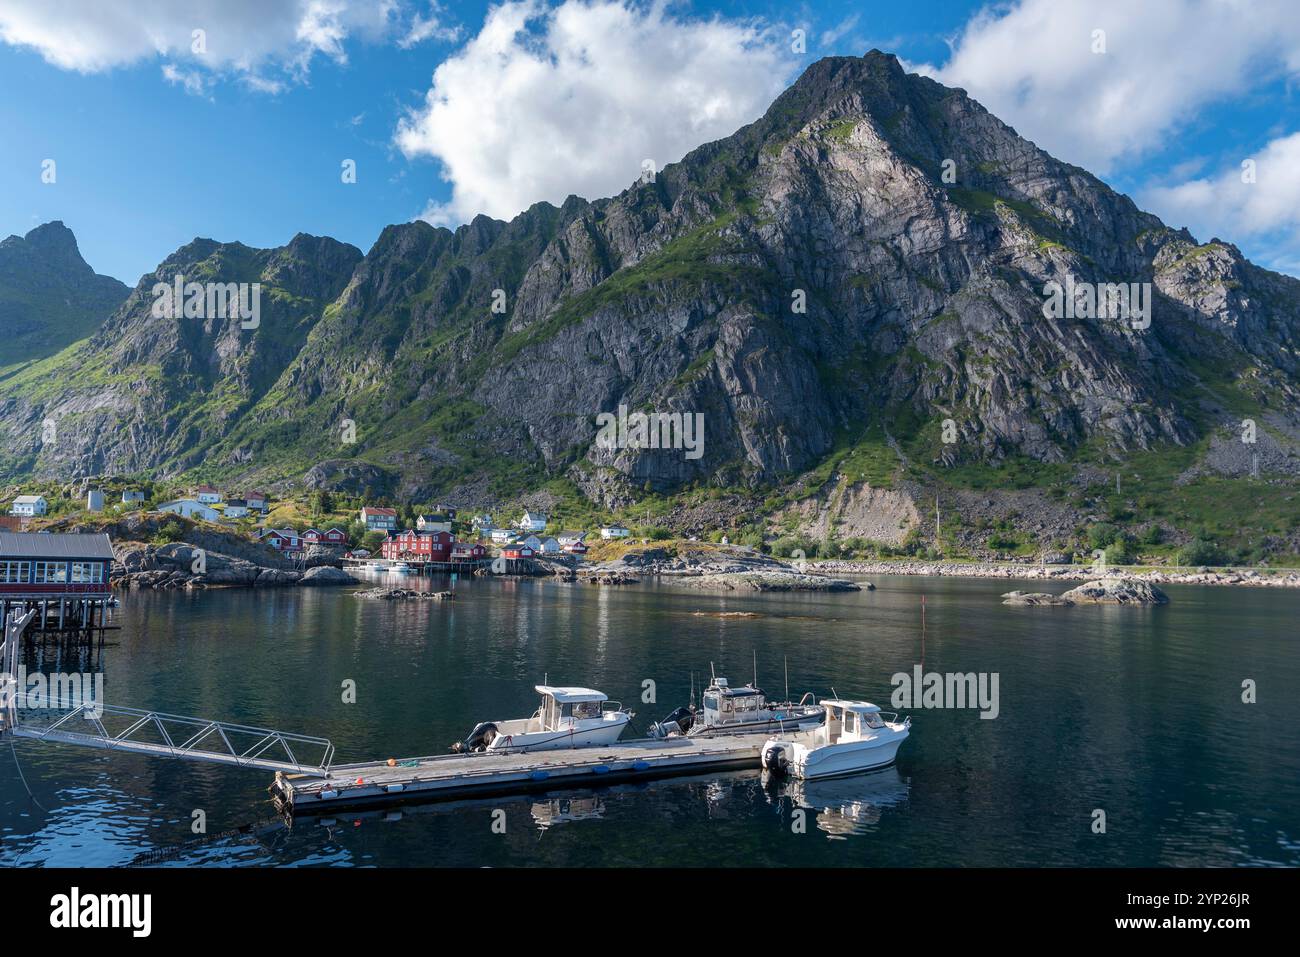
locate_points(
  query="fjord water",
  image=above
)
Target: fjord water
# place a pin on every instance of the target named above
(1134, 711)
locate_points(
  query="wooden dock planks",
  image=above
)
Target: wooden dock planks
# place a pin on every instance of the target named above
(454, 775)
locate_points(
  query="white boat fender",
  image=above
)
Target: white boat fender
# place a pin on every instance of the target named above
(326, 795)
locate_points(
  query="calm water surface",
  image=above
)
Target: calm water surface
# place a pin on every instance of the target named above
(1136, 711)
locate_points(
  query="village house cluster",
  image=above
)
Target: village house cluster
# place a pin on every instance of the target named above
(432, 539)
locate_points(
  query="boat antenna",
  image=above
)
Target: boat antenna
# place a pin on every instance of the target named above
(755, 654)
(712, 674)
(787, 677)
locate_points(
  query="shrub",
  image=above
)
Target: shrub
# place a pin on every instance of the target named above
(1199, 551)
(1101, 534)
(170, 531)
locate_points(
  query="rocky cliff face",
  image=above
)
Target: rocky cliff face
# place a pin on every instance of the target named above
(862, 268)
(49, 296)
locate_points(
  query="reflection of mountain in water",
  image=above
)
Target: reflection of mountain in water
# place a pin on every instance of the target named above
(850, 805)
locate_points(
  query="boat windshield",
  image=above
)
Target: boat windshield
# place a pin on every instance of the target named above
(872, 720)
(584, 709)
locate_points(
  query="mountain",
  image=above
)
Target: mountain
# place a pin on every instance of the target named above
(49, 296)
(916, 230)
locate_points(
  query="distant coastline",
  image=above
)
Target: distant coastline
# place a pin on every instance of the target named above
(1252, 577)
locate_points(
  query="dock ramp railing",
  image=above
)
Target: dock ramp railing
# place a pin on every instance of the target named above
(157, 733)
(114, 728)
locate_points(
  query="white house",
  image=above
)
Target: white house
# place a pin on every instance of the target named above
(95, 500)
(434, 522)
(256, 501)
(29, 505)
(501, 536)
(549, 546)
(236, 508)
(614, 531)
(190, 508)
(132, 497)
(570, 538)
(532, 541)
(482, 523)
(533, 521)
(207, 495)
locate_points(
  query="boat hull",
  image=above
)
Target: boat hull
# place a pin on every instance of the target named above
(607, 732)
(841, 759)
(766, 726)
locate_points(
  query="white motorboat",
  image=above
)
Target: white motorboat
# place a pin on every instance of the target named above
(567, 718)
(742, 710)
(856, 736)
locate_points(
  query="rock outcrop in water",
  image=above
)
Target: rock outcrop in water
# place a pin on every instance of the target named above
(1106, 591)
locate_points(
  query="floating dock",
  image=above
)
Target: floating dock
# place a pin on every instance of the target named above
(485, 773)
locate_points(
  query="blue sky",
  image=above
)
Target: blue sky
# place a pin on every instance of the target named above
(473, 107)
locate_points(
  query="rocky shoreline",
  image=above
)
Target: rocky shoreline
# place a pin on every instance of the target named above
(1282, 578)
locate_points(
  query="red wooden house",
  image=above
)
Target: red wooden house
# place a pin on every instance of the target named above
(517, 550)
(467, 552)
(333, 536)
(282, 539)
(411, 545)
(311, 537)
(578, 548)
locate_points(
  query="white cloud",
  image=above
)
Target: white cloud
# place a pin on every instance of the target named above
(548, 101)
(431, 27)
(1032, 64)
(1228, 206)
(254, 40)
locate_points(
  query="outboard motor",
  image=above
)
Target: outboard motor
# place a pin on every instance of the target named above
(679, 722)
(775, 760)
(484, 734)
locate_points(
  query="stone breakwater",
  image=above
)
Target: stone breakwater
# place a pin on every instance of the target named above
(1202, 576)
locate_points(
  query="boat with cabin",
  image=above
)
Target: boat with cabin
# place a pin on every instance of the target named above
(741, 710)
(567, 718)
(856, 736)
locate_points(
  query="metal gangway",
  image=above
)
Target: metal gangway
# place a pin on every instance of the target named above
(115, 728)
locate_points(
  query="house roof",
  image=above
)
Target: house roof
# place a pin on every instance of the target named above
(255, 494)
(569, 533)
(205, 488)
(55, 545)
(29, 499)
(376, 510)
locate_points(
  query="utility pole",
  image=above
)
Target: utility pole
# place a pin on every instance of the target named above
(936, 520)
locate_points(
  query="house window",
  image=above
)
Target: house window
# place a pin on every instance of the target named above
(49, 573)
(15, 573)
(87, 573)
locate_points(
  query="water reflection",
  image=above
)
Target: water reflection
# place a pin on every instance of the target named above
(844, 806)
